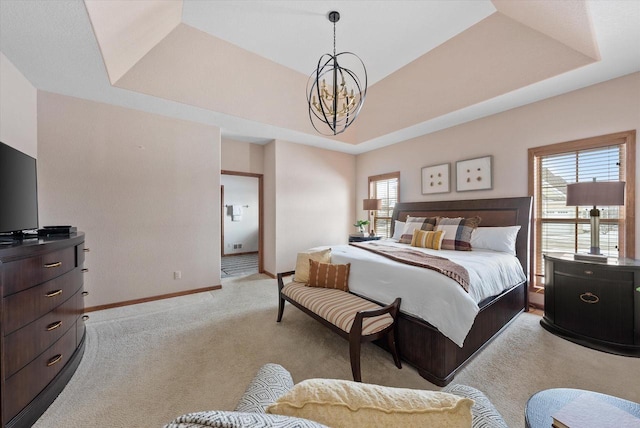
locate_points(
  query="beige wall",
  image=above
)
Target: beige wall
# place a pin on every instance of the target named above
(240, 156)
(18, 109)
(314, 193)
(269, 246)
(144, 188)
(605, 108)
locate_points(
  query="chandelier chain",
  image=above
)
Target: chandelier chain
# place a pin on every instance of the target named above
(334, 39)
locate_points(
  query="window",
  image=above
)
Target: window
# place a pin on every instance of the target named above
(561, 228)
(387, 188)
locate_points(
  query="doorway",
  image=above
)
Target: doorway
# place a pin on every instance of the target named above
(241, 196)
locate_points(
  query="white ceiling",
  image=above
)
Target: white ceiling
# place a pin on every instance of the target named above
(53, 45)
(386, 35)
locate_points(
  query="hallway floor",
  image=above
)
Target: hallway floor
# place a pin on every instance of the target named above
(240, 265)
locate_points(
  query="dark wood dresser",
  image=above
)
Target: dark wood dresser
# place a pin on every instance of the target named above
(41, 323)
(593, 304)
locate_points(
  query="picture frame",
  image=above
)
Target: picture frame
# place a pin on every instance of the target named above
(436, 179)
(474, 174)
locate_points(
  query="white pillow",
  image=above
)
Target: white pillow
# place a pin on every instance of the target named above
(501, 239)
(397, 230)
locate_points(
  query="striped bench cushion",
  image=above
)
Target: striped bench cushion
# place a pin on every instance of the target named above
(337, 307)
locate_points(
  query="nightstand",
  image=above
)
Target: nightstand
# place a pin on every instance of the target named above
(355, 238)
(593, 304)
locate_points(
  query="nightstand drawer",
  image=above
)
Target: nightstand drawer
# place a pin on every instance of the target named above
(592, 271)
(595, 309)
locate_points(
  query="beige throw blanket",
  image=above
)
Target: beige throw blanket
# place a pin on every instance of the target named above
(420, 259)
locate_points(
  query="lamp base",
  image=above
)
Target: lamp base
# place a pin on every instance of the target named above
(599, 258)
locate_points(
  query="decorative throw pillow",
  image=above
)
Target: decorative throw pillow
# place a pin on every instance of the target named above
(413, 223)
(337, 403)
(427, 239)
(302, 262)
(327, 275)
(458, 232)
(397, 230)
(496, 238)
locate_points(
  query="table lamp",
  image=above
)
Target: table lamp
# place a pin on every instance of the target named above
(372, 205)
(595, 193)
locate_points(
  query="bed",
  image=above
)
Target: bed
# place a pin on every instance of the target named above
(437, 357)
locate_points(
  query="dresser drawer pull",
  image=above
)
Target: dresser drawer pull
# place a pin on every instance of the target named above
(85, 270)
(589, 297)
(588, 272)
(53, 265)
(54, 360)
(85, 317)
(53, 293)
(86, 250)
(85, 293)
(54, 325)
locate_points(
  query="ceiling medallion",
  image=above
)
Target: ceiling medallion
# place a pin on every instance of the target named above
(335, 94)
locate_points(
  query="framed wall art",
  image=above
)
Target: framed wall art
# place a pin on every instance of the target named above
(474, 174)
(435, 179)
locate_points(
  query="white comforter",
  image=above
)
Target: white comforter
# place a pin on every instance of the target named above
(427, 294)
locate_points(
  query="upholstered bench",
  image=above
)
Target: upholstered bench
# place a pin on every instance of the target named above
(352, 317)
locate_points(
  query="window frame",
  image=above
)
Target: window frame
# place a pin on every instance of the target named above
(627, 226)
(372, 195)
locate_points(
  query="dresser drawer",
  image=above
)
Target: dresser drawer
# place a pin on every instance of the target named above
(592, 272)
(22, 274)
(25, 344)
(29, 305)
(23, 386)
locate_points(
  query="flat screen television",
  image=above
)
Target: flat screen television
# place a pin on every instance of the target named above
(18, 191)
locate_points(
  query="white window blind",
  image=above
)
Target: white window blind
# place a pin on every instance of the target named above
(562, 228)
(387, 188)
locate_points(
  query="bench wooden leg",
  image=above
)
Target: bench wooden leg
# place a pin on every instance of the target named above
(280, 308)
(354, 353)
(393, 347)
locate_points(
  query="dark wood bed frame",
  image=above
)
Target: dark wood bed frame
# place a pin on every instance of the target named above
(435, 356)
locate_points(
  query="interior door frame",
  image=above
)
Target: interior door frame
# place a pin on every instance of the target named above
(260, 178)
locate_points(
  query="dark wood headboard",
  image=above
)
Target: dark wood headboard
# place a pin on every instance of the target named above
(493, 212)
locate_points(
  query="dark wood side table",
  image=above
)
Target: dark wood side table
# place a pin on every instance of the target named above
(593, 304)
(542, 405)
(353, 238)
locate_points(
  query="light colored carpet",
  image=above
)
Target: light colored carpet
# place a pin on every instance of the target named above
(145, 364)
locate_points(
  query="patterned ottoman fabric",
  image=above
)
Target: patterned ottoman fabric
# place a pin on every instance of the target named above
(484, 413)
(221, 419)
(271, 382)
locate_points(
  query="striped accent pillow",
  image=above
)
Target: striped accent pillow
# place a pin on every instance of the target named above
(458, 232)
(427, 239)
(413, 223)
(328, 275)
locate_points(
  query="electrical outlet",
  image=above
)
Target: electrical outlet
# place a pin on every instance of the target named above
(177, 274)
